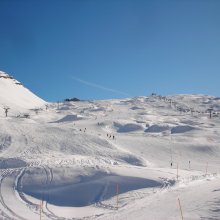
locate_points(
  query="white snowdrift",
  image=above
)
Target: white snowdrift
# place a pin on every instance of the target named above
(182, 129)
(129, 127)
(69, 118)
(6, 163)
(15, 96)
(77, 190)
(157, 128)
(172, 129)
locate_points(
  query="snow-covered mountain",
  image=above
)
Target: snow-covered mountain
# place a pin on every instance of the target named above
(143, 158)
(15, 96)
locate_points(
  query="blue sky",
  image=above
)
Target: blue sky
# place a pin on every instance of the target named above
(101, 49)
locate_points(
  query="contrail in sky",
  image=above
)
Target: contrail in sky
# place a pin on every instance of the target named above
(98, 86)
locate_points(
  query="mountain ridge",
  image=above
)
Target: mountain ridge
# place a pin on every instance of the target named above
(15, 96)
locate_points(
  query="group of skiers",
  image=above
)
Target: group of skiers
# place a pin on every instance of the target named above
(82, 129)
(109, 136)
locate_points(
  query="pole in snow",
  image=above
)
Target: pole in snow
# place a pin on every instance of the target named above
(41, 207)
(210, 112)
(117, 192)
(177, 171)
(206, 169)
(181, 212)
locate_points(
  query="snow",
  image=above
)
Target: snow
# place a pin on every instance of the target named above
(157, 128)
(181, 129)
(127, 127)
(69, 118)
(66, 158)
(15, 96)
(6, 163)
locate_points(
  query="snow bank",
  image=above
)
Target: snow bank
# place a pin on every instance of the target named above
(97, 109)
(15, 96)
(157, 128)
(11, 163)
(5, 141)
(181, 129)
(129, 127)
(69, 118)
(136, 108)
(78, 190)
(174, 130)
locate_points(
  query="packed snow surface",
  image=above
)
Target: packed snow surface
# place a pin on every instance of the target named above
(140, 158)
(15, 96)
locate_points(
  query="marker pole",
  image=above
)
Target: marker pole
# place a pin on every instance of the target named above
(181, 212)
(117, 192)
(206, 170)
(177, 171)
(40, 209)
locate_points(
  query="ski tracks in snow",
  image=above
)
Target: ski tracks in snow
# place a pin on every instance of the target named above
(16, 176)
(45, 208)
(7, 212)
(125, 200)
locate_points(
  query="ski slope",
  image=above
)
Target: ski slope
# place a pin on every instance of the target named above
(111, 159)
(15, 96)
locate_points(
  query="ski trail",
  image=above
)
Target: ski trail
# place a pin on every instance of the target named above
(49, 180)
(6, 174)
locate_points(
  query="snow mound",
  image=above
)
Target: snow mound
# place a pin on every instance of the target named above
(79, 190)
(64, 108)
(11, 163)
(69, 118)
(5, 142)
(136, 108)
(129, 127)
(15, 96)
(181, 129)
(97, 109)
(157, 128)
(133, 160)
(204, 149)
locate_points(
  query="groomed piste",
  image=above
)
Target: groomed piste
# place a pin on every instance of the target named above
(143, 158)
